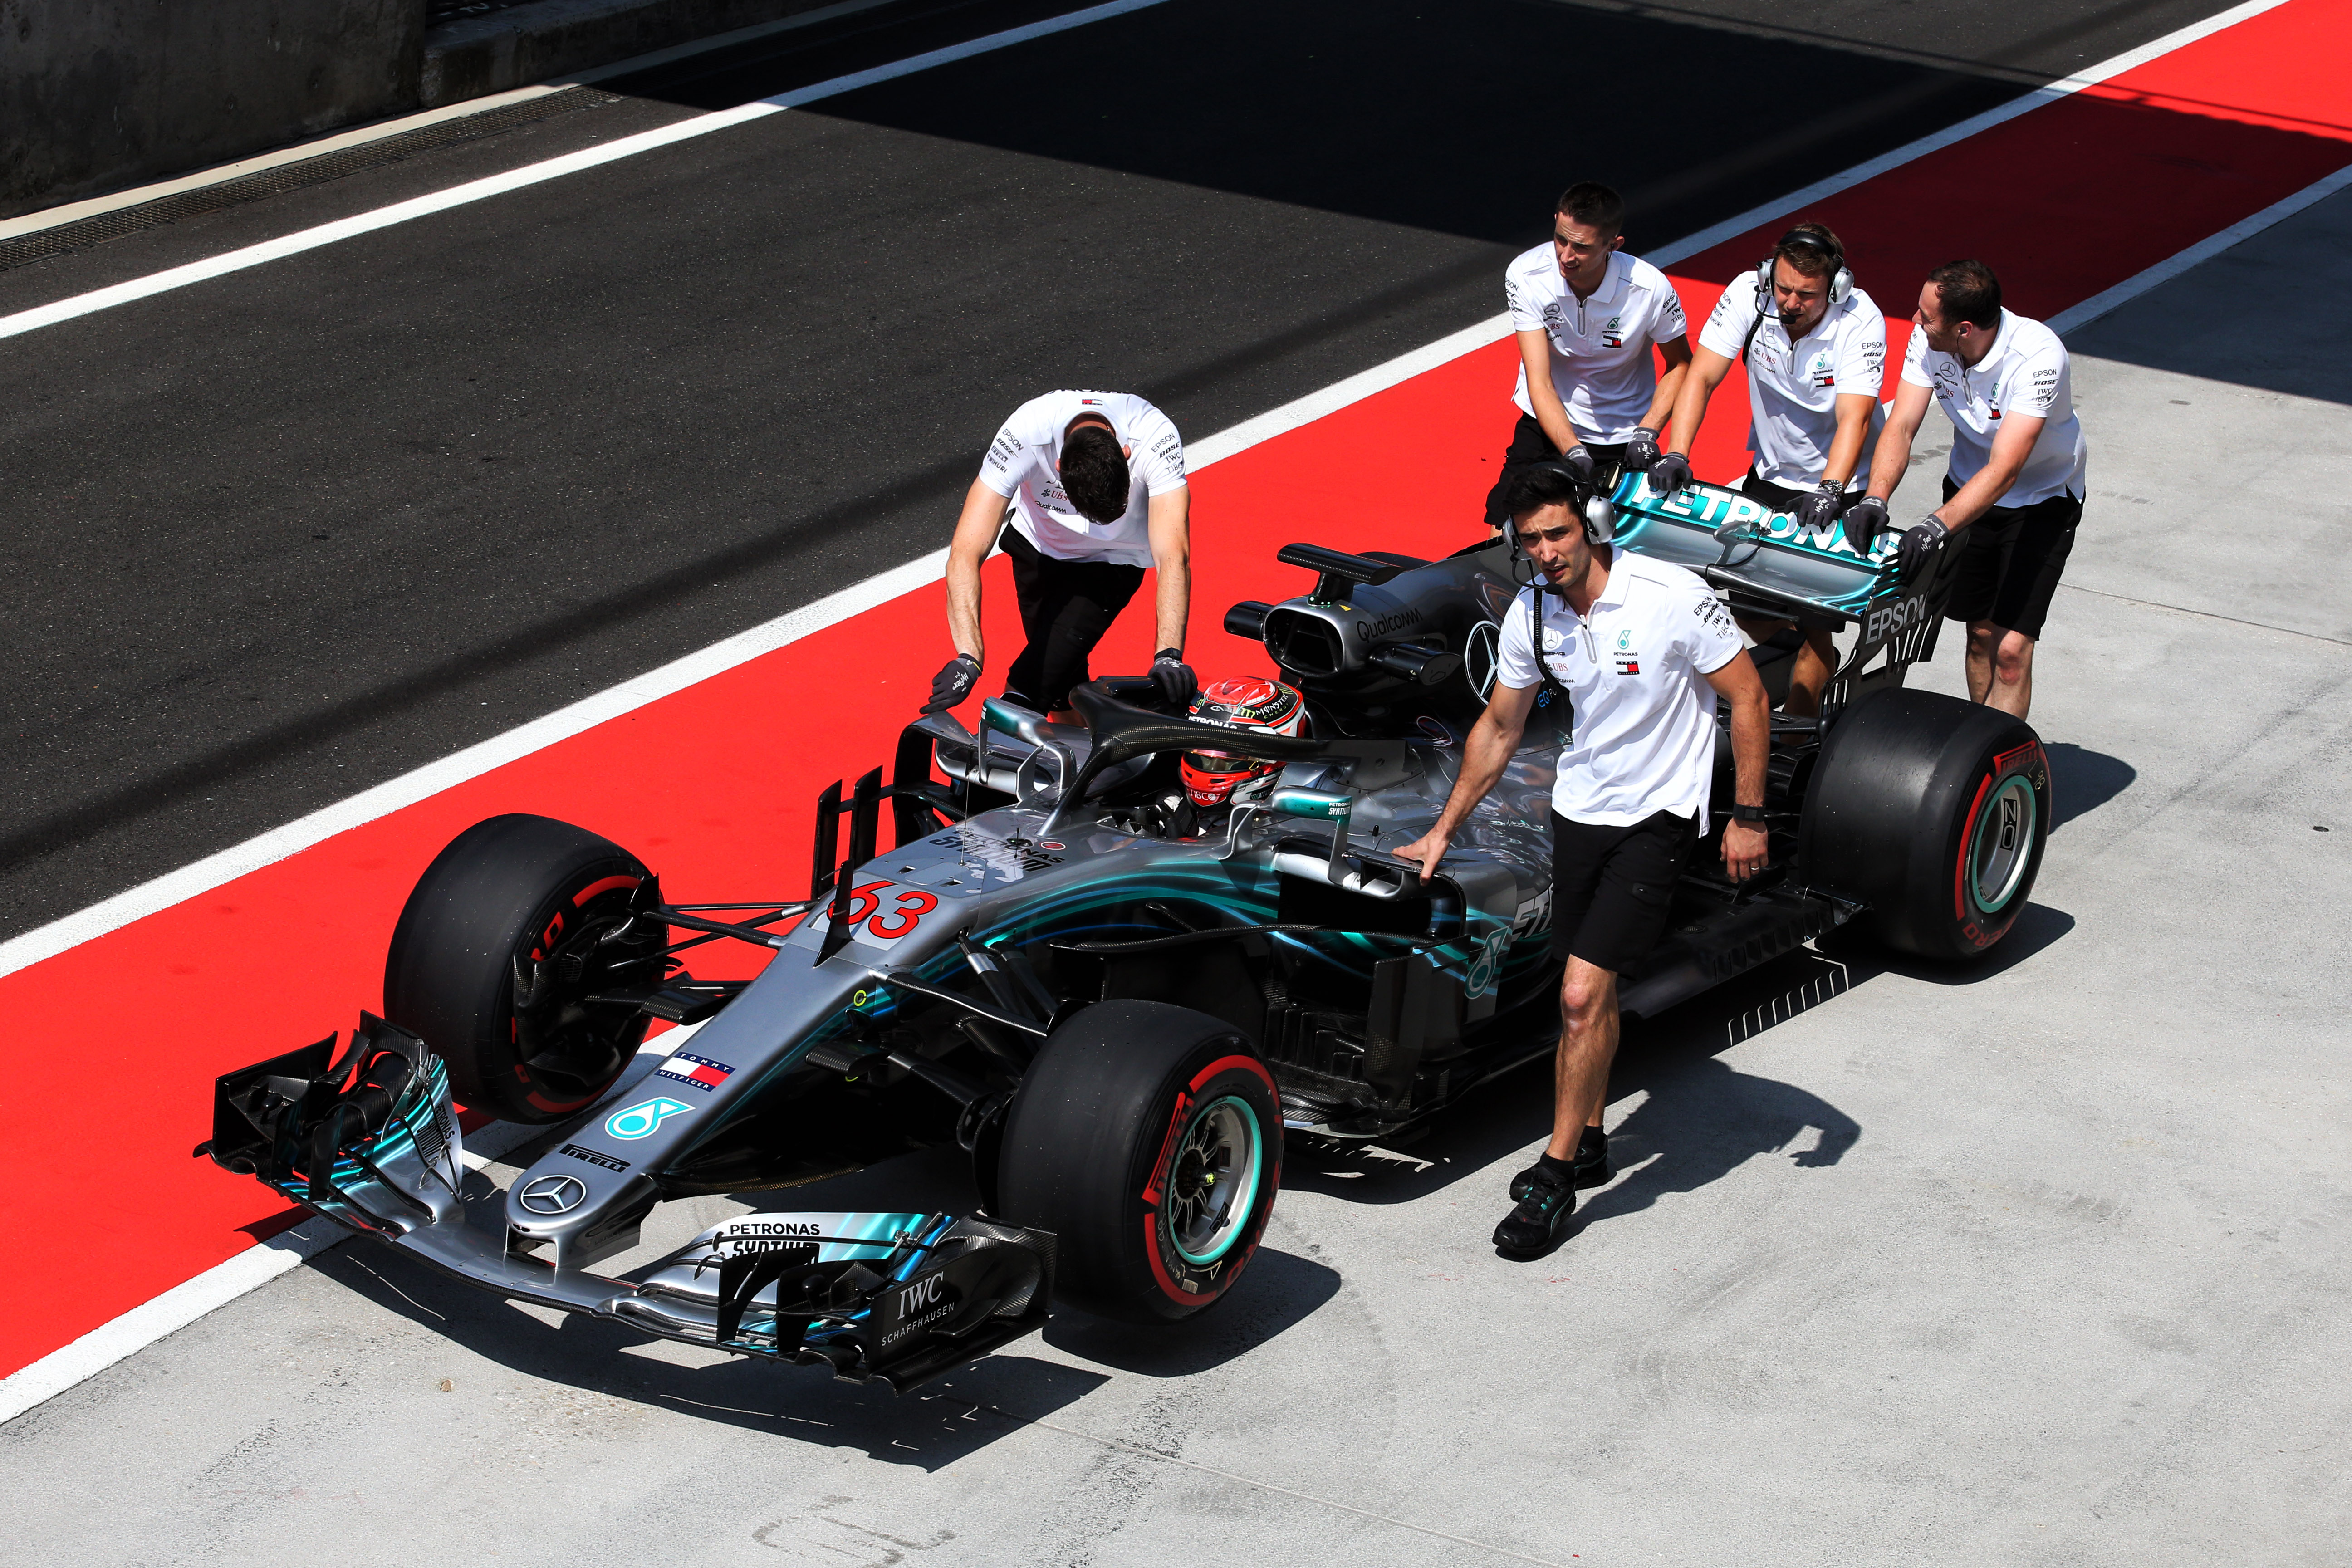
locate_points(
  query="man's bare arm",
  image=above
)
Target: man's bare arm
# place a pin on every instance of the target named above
(1491, 744)
(975, 535)
(1853, 411)
(1707, 372)
(1984, 490)
(1170, 525)
(1745, 844)
(1893, 454)
(1535, 355)
(1677, 356)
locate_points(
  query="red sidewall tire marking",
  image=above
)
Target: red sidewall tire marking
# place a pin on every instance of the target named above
(1269, 1181)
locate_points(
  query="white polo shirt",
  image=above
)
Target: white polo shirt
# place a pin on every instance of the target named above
(2026, 371)
(1024, 465)
(1601, 362)
(1793, 387)
(1635, 670)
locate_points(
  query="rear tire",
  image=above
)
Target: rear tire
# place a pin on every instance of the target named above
(528, 901)
(1932, 811)
(1148, 1138)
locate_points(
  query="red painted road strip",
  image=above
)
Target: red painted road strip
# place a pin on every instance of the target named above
(713, 786)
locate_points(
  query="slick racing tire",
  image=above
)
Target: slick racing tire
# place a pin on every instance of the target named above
(1148, 1138)
(509, 931)
(1932, 811)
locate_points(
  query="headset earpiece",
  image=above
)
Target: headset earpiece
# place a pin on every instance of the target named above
(1841, 276)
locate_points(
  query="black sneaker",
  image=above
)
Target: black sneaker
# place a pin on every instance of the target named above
(1591, 1168)
(1530, 1230)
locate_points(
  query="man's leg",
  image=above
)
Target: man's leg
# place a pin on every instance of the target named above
(1588, 1046)
(1810, 672)
(2012, 687)
(1981, 637)
(1528, 445)
(1038, 590)
(1091, 595)
(2012, 628)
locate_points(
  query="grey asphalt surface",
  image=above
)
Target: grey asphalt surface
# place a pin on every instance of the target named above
(2045, 1263)
(282, 536)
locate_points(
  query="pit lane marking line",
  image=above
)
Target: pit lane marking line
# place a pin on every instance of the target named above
(118, 1339)
(279, 842)
(722, 120)
(360, 136)
(550, 169)
(183, 1304)
(2209, 615)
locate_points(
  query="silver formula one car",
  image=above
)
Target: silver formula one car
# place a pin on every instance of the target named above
(1114, 1005)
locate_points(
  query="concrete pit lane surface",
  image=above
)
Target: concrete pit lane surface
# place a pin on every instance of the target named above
(2040, 1263)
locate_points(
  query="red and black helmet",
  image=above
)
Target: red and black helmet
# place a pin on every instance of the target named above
(1240, 702)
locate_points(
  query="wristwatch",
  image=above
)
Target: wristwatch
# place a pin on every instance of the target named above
(1747, 813)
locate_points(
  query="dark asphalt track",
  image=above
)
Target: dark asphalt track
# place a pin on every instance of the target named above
(285, 534)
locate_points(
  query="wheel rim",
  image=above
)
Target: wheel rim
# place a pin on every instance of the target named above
(570, 1049)
(1212, 1184)
(2002, 846)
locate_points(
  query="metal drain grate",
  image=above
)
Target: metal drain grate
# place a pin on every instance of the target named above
(85, 233)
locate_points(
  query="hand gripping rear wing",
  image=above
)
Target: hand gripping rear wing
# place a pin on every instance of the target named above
(369, 1138)
(1773, 567)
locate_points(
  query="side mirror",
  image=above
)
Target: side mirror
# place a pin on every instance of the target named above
(1332, 805)
(1006, 719)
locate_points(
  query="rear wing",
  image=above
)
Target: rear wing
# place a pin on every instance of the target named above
(1771, 567)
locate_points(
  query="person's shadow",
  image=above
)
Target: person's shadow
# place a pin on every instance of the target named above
(1701, 1120)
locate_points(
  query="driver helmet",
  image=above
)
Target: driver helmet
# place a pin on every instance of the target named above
(1240, 702)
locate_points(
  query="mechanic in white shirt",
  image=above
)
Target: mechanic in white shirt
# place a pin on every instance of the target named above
(1587, 316)
(1643, 650)
(2017, 478)
(1816, 351)
(1096, 491)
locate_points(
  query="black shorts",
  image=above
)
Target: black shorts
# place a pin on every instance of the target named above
(1612, 887)
(1531, 445)
(1065, 607)
(2011, 559)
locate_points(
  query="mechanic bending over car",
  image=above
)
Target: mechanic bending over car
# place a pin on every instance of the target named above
(1816, 351)
(1643, 650)
(1094, 485)
(1587, 316)
(2015, 487)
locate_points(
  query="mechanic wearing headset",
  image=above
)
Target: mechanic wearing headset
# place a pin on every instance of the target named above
(1096, 483)
(2016, 483)
(1643, 650)
(1816, 352)
(1587, 315)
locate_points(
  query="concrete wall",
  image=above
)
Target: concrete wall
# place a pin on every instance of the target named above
(97, 94)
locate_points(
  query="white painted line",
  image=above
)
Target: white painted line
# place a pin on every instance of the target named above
(2164, 271)
(143, 1325)
(257, 1266)
(537, 174)
(2105, 70)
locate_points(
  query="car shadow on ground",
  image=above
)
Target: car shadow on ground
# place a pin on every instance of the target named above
(2082, 781)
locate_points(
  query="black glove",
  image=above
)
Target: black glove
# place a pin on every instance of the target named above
(1578, 463)
(1818, 508)
(1866, 519)
(1642, 449)
(1920, 542)
(1669, 474)
(1178, 684)
(953, 683)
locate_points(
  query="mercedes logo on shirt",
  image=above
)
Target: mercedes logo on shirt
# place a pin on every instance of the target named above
(554, 1195)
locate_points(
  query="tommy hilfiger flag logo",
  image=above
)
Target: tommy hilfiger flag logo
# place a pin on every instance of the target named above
(1628, 665)
(700, 1071)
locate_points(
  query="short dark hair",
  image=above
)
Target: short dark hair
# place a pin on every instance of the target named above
(1591, 201)
(1541, 485)
(1968, 291)
(1811, 249)
(1094, 473)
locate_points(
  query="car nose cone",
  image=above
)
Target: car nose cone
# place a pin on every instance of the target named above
(554, 1195)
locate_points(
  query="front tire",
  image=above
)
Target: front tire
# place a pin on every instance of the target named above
(1932, 811)
(1148, 1138)
(510, 931)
